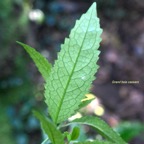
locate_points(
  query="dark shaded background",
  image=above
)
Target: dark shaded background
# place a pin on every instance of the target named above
(121, 58)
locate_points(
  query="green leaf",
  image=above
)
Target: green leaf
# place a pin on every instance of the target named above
(101, 127)
(50, 129)
(75, 133)
(95, 142)
(85, 103)
(74, 71)
(67, 135)
(129, 130)
(41, 62)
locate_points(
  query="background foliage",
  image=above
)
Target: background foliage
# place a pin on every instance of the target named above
(121, 59)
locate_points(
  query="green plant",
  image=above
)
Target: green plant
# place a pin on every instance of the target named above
(9, 13)
(5, 130)
(130, 130)
(67, 82)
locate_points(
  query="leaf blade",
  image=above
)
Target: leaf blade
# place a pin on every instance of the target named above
(50, 129)
(75, 133)
(101, 127)
(73, 72)
(40, 61)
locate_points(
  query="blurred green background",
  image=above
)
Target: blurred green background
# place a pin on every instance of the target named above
(44, 24)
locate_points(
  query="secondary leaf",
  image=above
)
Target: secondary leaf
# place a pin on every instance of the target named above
(50, 129)
(101, 127)
(67, 135)
(129, 130)
(85, 103)
(75, 133)
(73, 72)
(41, 62)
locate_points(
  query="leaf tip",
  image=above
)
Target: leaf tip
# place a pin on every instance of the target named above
(20, 43)
(92, 8)
(93, 5)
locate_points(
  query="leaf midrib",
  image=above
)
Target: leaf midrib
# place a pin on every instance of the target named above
(67, 85)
